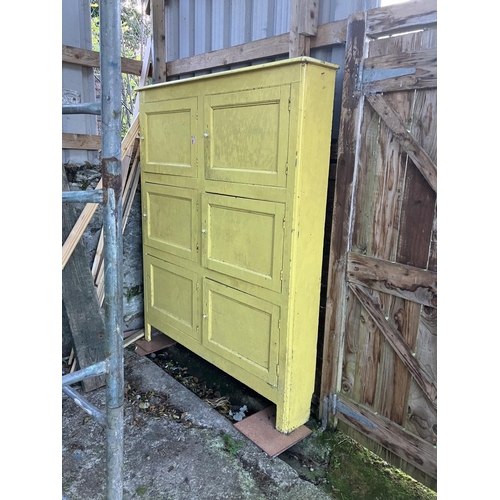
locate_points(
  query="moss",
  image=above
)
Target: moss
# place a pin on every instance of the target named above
(141, 490)
(352, 472)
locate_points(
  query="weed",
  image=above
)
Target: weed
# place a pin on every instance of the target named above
(231, 445)
(141, 490)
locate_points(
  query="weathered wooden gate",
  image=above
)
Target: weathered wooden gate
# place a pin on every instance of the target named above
(379, 358)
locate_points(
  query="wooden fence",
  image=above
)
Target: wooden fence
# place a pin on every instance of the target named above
(379, 353)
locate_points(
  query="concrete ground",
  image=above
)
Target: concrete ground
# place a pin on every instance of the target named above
(194, 453)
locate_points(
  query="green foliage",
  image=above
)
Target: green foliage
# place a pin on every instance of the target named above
(136, 29)
(231, 445)
(141, 491)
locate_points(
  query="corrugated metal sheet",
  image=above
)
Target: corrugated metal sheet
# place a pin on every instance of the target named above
(197, 26)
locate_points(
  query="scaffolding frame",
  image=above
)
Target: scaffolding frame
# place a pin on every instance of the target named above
(111, 198)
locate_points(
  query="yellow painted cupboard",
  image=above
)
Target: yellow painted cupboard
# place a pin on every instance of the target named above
(234, 169)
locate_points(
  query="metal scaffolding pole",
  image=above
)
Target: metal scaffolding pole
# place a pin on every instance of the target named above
(111, 81)
(111, 198)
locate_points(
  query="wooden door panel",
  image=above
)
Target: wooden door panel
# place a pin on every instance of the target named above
(244, 238)
(170, 223)
(247, 138)
(172, 296)
(242, 329)
(171, 146)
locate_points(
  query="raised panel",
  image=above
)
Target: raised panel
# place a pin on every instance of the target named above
(170, 132)
(241, 328)
(170, 219)
(243, 238)
(171, 295)
(247, 139)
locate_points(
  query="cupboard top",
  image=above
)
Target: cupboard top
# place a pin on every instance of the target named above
(297, 61)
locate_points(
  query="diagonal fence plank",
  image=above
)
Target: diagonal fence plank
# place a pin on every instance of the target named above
(421, 159)
(399, 345)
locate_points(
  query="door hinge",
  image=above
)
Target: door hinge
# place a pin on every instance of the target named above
(333, 405)
(281, 275)
(277, 371)
(289, 103)
(286, 168)
(283, 225)
(197, 286)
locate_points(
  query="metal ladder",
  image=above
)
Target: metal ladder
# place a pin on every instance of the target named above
(111, 198)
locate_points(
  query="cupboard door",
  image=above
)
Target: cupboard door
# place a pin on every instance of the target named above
(243, 238)
(170, 131)
(242, 329)
(170, 220)
(172, 296)
(247, 136)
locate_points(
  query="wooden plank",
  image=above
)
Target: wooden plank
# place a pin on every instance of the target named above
(351, 346)
(407, 282)
(432, 262)
(81, 141)
(425, 58)
(78, 229)
(333, 33)
(265, 47)
(417, 219)
(131, 186)
(91, 59)
(401, 18)
(80, 303)
(401, 71)
(407, 42)
(300, 45)
(422, 79)
(376, 207)
(391, 394)
(307, 17)
(421, 417)
(416, 152)
(398, 343)
(424, 124)
(337, 291)
(367, 364)
(139, 334)
(370, 193)
(159, 41)
(392, 437)
(145, 70)
(417, 226)
(393, 378)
